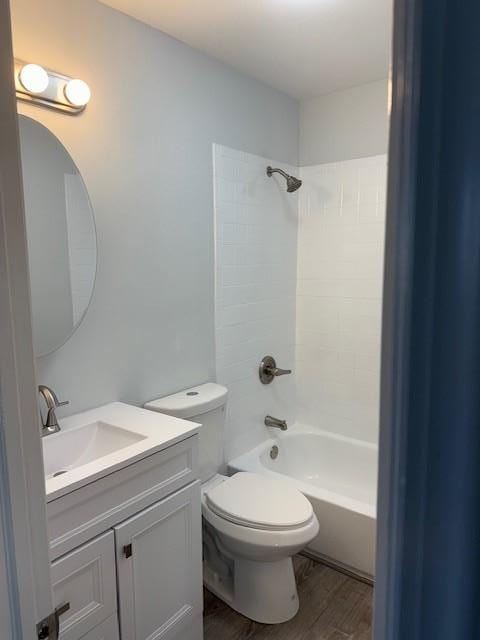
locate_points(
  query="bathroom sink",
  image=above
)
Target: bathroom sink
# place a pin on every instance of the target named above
(68, 450)
(99, 442)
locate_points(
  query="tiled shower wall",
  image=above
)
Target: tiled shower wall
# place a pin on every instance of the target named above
(256, 265)
(339, 295)
(313, 302)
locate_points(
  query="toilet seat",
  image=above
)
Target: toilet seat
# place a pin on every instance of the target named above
(256, 501)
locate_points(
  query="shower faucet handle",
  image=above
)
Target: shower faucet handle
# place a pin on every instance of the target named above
(280, 372)
(268, 370)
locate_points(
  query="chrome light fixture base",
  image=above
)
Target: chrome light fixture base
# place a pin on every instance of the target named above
(54, 95)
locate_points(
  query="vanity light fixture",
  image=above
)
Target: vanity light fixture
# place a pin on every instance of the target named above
(48, 88)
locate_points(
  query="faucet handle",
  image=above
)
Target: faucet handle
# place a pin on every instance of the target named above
(51, 397)
(268, 370)
(276, 371)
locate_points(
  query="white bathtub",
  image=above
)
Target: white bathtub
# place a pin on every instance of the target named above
(339, 477)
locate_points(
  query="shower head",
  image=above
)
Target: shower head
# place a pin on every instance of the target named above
(292, 183)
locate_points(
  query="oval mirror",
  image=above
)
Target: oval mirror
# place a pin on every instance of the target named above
(62, 247)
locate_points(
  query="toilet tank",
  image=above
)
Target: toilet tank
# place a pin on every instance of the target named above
(205, 404)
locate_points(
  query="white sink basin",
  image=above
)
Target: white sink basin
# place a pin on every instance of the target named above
(94, 444)
(68, 450)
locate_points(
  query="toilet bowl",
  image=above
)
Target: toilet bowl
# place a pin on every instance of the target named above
(253, 569)
(252, 524)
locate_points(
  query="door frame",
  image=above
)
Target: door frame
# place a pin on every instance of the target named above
(26, 571)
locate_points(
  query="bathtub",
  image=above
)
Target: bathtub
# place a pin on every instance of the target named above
(339, 477)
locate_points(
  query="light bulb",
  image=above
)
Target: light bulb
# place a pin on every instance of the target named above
(33, 78)
(77, 92)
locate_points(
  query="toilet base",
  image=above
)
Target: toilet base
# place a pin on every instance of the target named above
(262, 591)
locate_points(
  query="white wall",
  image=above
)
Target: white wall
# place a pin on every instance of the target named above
(256, 257)
(339, 295)
(344, 125)
(144, 148)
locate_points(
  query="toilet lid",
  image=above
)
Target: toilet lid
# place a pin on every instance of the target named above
(260, 502)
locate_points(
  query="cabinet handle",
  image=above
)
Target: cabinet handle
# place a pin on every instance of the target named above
(127, 550)
(62, 609)
(49, 627)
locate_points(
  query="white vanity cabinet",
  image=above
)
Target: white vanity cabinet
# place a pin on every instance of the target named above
(127, 552)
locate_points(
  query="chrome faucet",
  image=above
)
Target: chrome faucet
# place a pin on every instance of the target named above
(270, 421)
(50, 425)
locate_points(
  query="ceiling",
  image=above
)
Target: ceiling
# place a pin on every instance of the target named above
(302, 47)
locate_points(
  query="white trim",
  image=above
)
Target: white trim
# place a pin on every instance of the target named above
(8, 590)
(21, 444)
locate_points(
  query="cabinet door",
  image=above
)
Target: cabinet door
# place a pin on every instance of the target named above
(159, 569)
(85, 578)
(107, 630)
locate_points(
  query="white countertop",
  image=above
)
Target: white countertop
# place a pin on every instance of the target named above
(158, 431)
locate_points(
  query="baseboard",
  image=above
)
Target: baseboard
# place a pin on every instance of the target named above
(338, 566)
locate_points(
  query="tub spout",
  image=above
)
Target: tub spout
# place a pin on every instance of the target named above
(270, 421)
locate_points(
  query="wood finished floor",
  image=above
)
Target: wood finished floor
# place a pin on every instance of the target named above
(332, 607)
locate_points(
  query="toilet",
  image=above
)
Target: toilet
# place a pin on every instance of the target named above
(252, 524)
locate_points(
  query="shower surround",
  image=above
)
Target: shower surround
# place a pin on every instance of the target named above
(299, 276)
(339, 296)
(256, 224)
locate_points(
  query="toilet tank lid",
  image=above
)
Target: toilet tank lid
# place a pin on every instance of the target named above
(190, 402)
